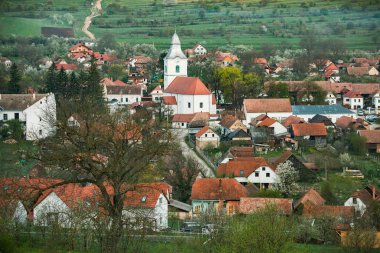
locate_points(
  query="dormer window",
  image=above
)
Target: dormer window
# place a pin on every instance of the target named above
(263, 168)
(354, 201)
(143, 199)
(241, 172)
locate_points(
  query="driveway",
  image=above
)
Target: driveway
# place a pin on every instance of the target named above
(188, 152)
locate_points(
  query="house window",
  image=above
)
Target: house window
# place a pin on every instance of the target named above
(5, 116)
(263, 168)
(197, 209)
(354, 100)
(201, 105)
(212, 135)
(354, 201)
(205, 135)
(52, 219)
(256, 174)
(137, 99)
(177, 68)
(189, 105)
(358, 99)
(17, 115)
(40, 132)
(268, 174)
(143, 199)
(40, 102)
(182, 124)
(241, 172)
(126, 100)
(347, 100)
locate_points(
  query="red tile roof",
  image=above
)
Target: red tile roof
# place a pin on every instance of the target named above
(372, 136)
(119, 82)
(311, 197)
(267, 122)
(292, 120)
(66, 66)
(331, 66)
(352, 94)
(366, 88)
(267, 105)
(202, 131)
(158, 87)
(344, 122)
(187, 86)
(260, 61)
(242, 166)
(242, 151)
(358, 71)
(309, 129)
(146, 195)
(228, 120)
(251, 205)
(310, 210)
(218, 189)
(366, 195)
(169, 100)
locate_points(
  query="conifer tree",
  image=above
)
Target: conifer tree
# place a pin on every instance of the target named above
(74, 87)
(50, 79)
(14, 82)
(93, 91)
(62, 83)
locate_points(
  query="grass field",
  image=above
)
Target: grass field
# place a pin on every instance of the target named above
(215, 24)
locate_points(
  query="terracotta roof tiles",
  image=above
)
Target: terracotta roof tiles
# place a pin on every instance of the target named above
(242, 166)
(187, 86)
(169, 100)
(217, 189)
(251, 205)
(292, 120)
(309, 129)
(311, 197)
(267, 105)
(372, 136)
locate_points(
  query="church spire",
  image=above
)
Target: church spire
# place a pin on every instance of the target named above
(175, 49)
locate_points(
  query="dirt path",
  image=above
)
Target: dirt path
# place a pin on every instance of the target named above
(95, 11)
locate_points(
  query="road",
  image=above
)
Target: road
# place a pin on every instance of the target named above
(95, 11)
(188, 152)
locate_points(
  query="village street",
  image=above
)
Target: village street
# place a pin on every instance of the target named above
(188, 152)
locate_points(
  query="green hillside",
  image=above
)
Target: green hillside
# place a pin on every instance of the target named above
(214, 23)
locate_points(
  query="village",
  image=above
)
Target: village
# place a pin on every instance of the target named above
(306, 148)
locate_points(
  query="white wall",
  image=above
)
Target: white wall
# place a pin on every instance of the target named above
(333, 117)
(131, 98)
(11, 115)
(262, 178)
(161, 211)
(359, 206)
(20, 215)
(275, 115)
(358, 102)
(194, 100)
(279, 128)
(51, 204)
(170, 69)
(41, 118)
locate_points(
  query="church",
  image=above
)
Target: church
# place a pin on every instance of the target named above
(183, 94)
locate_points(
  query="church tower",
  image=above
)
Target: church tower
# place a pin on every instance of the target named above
(175, 62)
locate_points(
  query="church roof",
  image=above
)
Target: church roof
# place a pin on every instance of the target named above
(187, 86)
(175, 49)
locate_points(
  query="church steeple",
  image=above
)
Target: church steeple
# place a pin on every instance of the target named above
(175, 62)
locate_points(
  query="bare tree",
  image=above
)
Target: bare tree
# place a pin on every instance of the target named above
(109, 151)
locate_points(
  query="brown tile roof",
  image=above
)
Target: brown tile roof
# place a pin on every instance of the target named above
(366, 88)
(259, 118)
(19, 102)
(228, 120)
(311, 197)
(352, 94)
(292, 120)
(372, 136)
(366, 196)
(344, 122)
(284, 157)
(267, 105)
(119, 82)
(140, 59)
(187, 86)
(169, 100)
(217, 189)
(260, 61)
(124, 90)
(242, 151)
(66, 66)
(309, 129)
(182, 117)
(200, 119)
(242, 166)
(331, 66)
(251, 205)
(310, 210)
(358, 71)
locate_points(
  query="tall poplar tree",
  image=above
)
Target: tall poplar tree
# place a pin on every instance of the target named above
(15, 78)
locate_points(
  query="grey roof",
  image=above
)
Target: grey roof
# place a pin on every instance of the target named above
(180, 205)
(320, 109)
(18, 102)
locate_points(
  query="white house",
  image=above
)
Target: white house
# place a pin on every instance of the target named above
(175, 62)
(245, 170)
(362, 199)
(333, 112)
(376, 101)
(353, 99)
(207, 137)
(278, 128)
(157, 94)
(36, 111)
(123, 95)
(330, 98)
(277, 108)
(199, 50)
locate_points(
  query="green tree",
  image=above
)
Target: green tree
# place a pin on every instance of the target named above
(92, 93)
(116, 71)
(356, 144)
(14, 81)
(327, 193)
(107, 41)
(310, 93)
(278, 90)
(61, 83)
